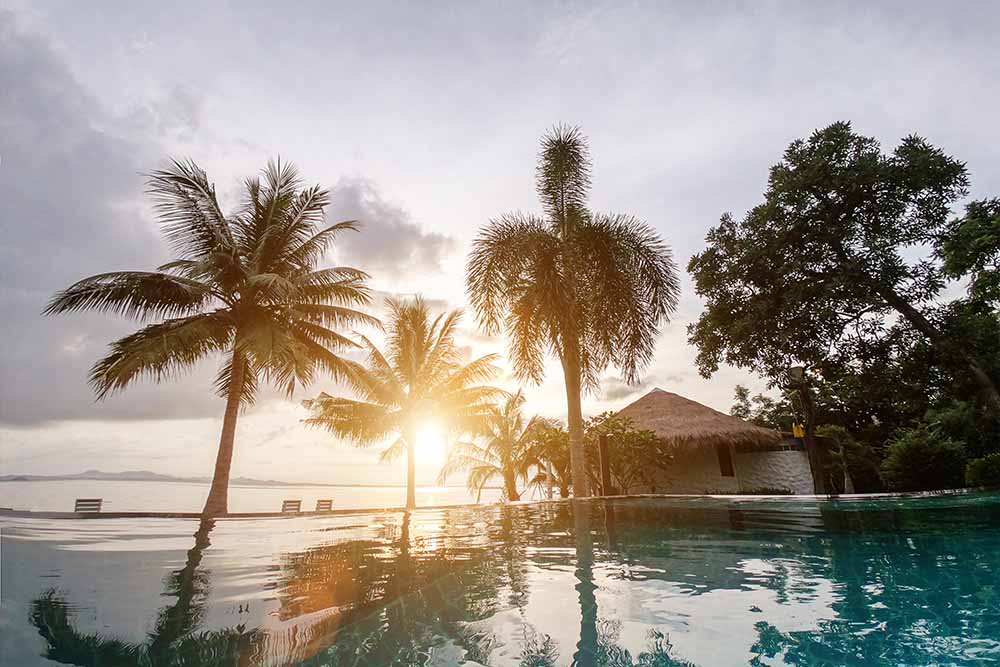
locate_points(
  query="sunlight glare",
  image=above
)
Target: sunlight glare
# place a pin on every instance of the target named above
(431, 446)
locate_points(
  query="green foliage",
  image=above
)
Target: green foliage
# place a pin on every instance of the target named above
(635, 455)
(861, 460)
(821, 259)
(922, 459)
(552, 454)
(984, 471)
(971, 247)
(969, 423)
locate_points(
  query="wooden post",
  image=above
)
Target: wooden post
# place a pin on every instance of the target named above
(602, 447)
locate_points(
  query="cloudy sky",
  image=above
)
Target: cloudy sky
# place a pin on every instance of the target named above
(424, 120)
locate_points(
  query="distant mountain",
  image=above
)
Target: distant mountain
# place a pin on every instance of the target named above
(150, 476)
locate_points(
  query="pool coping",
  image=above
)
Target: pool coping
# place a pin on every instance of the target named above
(31, 514)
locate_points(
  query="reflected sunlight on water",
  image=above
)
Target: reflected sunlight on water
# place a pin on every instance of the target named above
(624, 582)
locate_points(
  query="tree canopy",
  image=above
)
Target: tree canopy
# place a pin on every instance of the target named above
(834, 259)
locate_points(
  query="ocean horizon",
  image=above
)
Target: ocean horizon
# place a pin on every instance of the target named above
(189, 496)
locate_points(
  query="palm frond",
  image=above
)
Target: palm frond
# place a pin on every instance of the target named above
(363, 424)
(188, 211)
(162, 350)
(501, 263)
(393, 451)
(563, 176)
(133, 294)
(629, 287)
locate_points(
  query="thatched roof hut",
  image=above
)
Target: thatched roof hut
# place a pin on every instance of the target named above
(682, 422)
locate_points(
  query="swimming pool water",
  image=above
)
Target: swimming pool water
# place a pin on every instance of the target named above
(650, 582)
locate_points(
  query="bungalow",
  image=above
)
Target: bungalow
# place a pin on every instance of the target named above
(718, 453)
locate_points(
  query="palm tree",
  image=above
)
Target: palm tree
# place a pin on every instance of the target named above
(591, 288)
(508, 451)
(419, 380)
(246, 286)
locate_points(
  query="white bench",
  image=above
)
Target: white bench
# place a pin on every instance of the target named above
(88, 505)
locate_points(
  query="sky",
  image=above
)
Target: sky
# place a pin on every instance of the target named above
(424, 120)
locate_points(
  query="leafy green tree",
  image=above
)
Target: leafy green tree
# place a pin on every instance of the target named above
(971, 247)
(508, 451)
(921, 458)
(590, 288)
(245, 285)
(823, 259)
(420, 379)
(634, 455)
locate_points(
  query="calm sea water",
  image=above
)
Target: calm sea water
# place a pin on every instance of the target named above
(637, 582)
(123, 496)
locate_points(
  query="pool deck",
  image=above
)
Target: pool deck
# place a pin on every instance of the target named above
(6, 512)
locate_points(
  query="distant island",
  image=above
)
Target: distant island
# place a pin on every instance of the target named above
(150, 476)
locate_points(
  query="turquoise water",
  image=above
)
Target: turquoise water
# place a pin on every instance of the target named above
(661, 582)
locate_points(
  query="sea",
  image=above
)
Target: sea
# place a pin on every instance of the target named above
(146, 496)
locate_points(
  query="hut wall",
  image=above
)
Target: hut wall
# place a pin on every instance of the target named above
(787, 469)
(696, 471)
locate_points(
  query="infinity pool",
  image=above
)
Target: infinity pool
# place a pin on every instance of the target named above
(651, 582)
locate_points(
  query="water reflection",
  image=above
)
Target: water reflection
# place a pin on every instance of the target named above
(175, 639)
(611, 584)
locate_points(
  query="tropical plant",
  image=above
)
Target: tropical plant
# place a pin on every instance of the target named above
(984, 471)
(634, 455)
(552, 454)
(508, 449)
(923, 459)
(245, 285)
(419, 380)
(590, 288)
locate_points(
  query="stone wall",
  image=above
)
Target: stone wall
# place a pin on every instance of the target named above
(781, 469)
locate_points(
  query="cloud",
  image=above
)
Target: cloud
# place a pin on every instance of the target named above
(614, 389)
(390, 243)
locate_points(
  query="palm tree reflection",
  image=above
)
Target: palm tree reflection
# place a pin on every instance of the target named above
(457, 587)
(174, 639)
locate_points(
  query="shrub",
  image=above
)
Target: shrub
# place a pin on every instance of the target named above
(922, 459)
(984, 471)
(861, 460)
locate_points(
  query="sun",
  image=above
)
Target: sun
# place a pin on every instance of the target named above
(431, 446)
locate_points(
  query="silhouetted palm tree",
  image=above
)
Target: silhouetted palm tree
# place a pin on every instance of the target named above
(174, 640)
(591, 288)
(508, 451)
(421, 379)
(246, 286)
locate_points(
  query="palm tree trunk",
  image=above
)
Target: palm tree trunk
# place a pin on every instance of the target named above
(574, 418)
(218, 496)
(411, 490)
(510, 484)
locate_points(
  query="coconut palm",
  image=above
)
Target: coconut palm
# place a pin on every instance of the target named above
(591, 288)
(245, 286)
(507, 453)
(419, 380)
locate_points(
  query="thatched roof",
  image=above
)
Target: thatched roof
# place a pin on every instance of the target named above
(682, 422)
